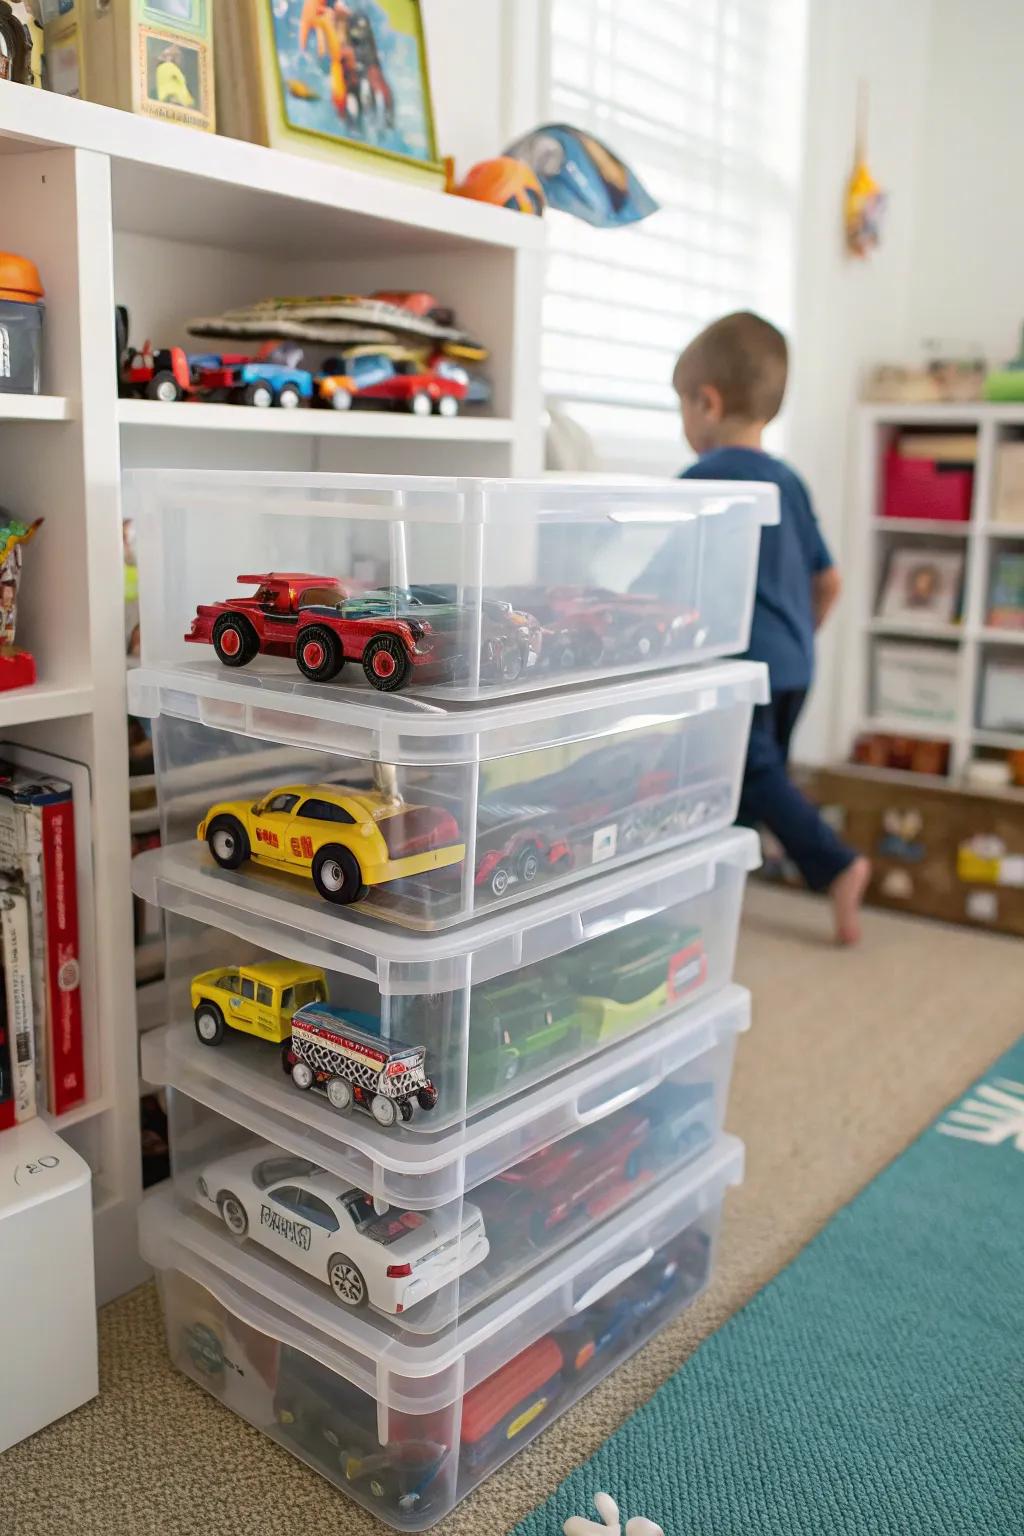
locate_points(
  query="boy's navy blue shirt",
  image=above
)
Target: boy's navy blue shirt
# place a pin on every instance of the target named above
(792, 552)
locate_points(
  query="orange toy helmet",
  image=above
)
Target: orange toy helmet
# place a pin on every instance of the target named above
(509, 183)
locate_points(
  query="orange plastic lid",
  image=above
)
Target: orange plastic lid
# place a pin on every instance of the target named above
(19, 279)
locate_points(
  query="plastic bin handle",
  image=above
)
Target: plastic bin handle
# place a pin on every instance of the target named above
(617, 1101)
(613, 1278)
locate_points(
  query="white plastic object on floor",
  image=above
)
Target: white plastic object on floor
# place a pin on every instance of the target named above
(609, 1524)
(408, 1425)
(556, 583)
(47, 1293)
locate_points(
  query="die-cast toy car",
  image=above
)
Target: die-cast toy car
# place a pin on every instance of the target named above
(313, 1220)
(254, 999)
(398, 379)
(343, 839)
(266, 622)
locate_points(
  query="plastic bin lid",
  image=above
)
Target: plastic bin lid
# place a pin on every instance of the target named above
(297, 925)
(399, 729)
(19, 279)
(376, 1353)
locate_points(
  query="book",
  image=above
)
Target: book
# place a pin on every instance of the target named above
(17, 1000)
(1006, 600)
(37, 850)
(152, 57)
(922, 586)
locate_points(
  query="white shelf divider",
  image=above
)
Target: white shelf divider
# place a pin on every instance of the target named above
(35, 408)
(199, 416)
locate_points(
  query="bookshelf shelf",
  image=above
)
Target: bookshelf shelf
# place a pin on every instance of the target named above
(35, 408)
(44, 701)
(388, 425)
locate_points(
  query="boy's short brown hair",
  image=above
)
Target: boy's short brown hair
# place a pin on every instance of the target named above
(745, 358)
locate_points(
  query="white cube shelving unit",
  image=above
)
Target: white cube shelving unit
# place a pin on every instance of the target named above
(872, 535)
(173, 223)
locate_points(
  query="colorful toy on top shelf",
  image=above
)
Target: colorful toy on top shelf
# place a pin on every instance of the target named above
(256, 1000)
(355, 1066)
(241, 628)
(398, 632)
(399, 379)
(343, 839)
(504, 181)
(241, 379)
(341, 320)
(17, 666)
(21, 324)
(314, 1221)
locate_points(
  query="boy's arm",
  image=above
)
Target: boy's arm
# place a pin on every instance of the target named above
(826, 586)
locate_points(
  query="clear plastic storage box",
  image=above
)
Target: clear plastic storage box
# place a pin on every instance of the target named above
(455, 588)
(497, 1005)
(533, 1178)
(407, 1425)
(425, 817)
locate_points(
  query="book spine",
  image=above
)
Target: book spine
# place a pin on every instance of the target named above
(30, 867)
(18, 997)
(8, 1116)
(63, 974)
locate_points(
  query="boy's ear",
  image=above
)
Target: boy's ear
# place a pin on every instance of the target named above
(711, 402)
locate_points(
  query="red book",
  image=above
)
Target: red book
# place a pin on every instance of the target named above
(37, 845)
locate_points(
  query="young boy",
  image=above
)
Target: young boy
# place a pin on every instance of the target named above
(730, 381)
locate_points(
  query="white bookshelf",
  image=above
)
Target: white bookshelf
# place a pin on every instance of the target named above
(175, 224)
(971, 637)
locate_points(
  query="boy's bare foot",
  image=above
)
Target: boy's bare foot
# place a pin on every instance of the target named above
(847, 893)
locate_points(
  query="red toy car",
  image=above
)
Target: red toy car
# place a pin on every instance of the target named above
(520, 860)
(241, 628)
(164, 374)
(395, 379)
(587, 626)
(396, 630)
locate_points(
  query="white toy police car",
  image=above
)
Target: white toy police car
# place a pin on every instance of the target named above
(316, 1222)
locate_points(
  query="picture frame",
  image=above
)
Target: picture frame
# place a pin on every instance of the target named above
(353, 77)
(922, 585)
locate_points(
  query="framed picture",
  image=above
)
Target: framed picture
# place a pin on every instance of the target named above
(355, 74)
(922, 586)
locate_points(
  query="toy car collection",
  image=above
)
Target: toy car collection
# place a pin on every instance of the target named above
(591, 626)
(256, 1000)
(354, 1066)
(631, 981)
(243, 380)
(241, 628)
(343, 839)
(398, 378)
(314, 1221)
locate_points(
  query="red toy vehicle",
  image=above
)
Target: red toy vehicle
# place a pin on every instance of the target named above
(164, 374)
(397, 630)
(520, 860)
(241, 628)
(392, 378)
(586, 626)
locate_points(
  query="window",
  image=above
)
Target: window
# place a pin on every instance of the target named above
(230, 982)
(280, 803)
(264, 996)
(291, 1197)
(323, 810)
(248, 988)
(284, 1167)
(703, 99)
(316, 1210)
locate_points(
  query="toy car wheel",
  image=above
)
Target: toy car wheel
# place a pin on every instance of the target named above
(337, 876)
(345, 1281)
(529, 865)
(384, 1111)
(234, 641)
(501, 879)
(209, 1024)
(510, 661)
(228, 841)
(233, 1213)
(341, 400)
(421, 404)
(339, 1093)
(289, 397)
(303, 1075)
(405, 1110)
(385, 663)
(319, 654)
(259, 393)
(426, 1098)
(646, 643)
(164, 387)
(448, 405)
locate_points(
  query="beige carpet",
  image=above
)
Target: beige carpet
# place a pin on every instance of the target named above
(850, 1056)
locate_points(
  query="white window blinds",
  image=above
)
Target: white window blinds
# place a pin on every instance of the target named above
(703, 98)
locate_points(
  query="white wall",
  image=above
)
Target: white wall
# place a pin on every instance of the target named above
(464, 47)
(969, 236)
(850, 313)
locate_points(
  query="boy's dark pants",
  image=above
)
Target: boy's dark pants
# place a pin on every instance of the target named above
(769, 799)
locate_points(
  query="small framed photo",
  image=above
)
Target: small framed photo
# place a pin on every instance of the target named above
(922, 585)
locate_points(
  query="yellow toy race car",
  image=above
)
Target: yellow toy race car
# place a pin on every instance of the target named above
(343, 839)
(254, 999)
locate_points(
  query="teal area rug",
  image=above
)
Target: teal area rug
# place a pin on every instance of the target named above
(876, 1386)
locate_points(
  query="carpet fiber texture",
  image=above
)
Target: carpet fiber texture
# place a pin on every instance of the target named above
(877, 1384)
(852, 1054)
